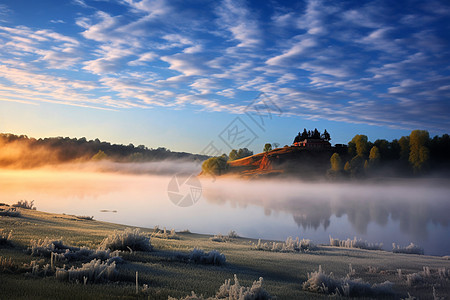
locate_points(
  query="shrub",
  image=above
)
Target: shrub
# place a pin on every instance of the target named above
(59, 251)
(10, 212)
(320, 282)
(199, 256)
(410, 249)
(88, 218)
(224, 238)
(93, 271)
(164, 234)
(355, 243)
(5, 239)
(290, 245)
(25, 204)
(125, 240)
(235, 291)
(413, 279)
(212, 257)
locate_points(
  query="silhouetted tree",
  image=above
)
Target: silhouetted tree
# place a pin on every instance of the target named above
(326, 136)
(267, 147)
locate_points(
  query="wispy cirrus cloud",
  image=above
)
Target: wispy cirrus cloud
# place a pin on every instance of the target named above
(367, 62)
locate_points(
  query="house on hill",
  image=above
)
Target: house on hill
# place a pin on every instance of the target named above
(312, 140)
(313, 144)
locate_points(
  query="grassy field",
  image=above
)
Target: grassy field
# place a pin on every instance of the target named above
(166, 275)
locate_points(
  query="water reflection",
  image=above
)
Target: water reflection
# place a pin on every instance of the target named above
(413, 206)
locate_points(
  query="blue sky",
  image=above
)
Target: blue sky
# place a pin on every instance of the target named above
(178, 73)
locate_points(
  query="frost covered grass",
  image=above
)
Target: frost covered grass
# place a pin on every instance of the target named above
(5, 238)
(355, 243)
(234, 291)
(10, 212)
(320, 282)
(290, 245)
(164, 234)
(199, 256)
(410, 249)
(162, 274)
(94, 271)
(224, 238)
(129, 239)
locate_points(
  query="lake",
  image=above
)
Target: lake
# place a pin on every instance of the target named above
(397, 211)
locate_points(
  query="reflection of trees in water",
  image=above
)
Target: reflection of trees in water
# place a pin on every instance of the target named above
(413, 209)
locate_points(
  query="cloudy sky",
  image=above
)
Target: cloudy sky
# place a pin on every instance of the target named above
(180, 74)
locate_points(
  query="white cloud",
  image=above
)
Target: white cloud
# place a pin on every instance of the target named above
(294, 52)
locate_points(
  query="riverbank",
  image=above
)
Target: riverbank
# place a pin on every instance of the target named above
(162, 273)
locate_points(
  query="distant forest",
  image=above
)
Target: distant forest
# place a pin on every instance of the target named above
(416, 154)
(23, 152)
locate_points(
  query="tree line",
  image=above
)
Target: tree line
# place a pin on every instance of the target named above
(20, 150)
(415, 154)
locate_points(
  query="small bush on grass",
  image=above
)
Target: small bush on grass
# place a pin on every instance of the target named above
(224, 238)
(7, 265)
(6, 238)
(10, 212)
(61, 252)
(235, 291)
(355, 243)
(164, 234)
(125, 240)
(198, 256)
(25, 204)
(320, 282)
(93, 272)
(290, 245)
(410, 249)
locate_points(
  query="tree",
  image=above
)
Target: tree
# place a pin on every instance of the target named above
(275, 145)
(215, 165)
(267, 147)
(404, 148)
(326, 136)
(374, 156)
(336, 162)
(347, 167)
(316, 134)
(238, 154)
(304, 134)
(99, 155)
(361, 145)
(419, 153)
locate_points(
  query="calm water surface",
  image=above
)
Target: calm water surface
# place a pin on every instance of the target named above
(402, 212)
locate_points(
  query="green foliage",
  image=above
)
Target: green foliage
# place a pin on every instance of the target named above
(336, 162)
(238, 154)
(215, 165)
(374, 156)
(361, 144)
(419, 152)
(100, 155)
(267, 147)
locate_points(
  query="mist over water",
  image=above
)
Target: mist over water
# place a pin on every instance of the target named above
(397, 211)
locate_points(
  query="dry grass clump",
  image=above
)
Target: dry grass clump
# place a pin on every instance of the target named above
(129, 239)
(290, 245)
(355, 243)
(410, 249)
(235, 291)
(320, 282)
(5, 238)
(94, 271)
(164, 234)
(198, 256)
(224, 238)
(10, 212)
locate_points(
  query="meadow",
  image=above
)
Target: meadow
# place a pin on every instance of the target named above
(179, 263)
